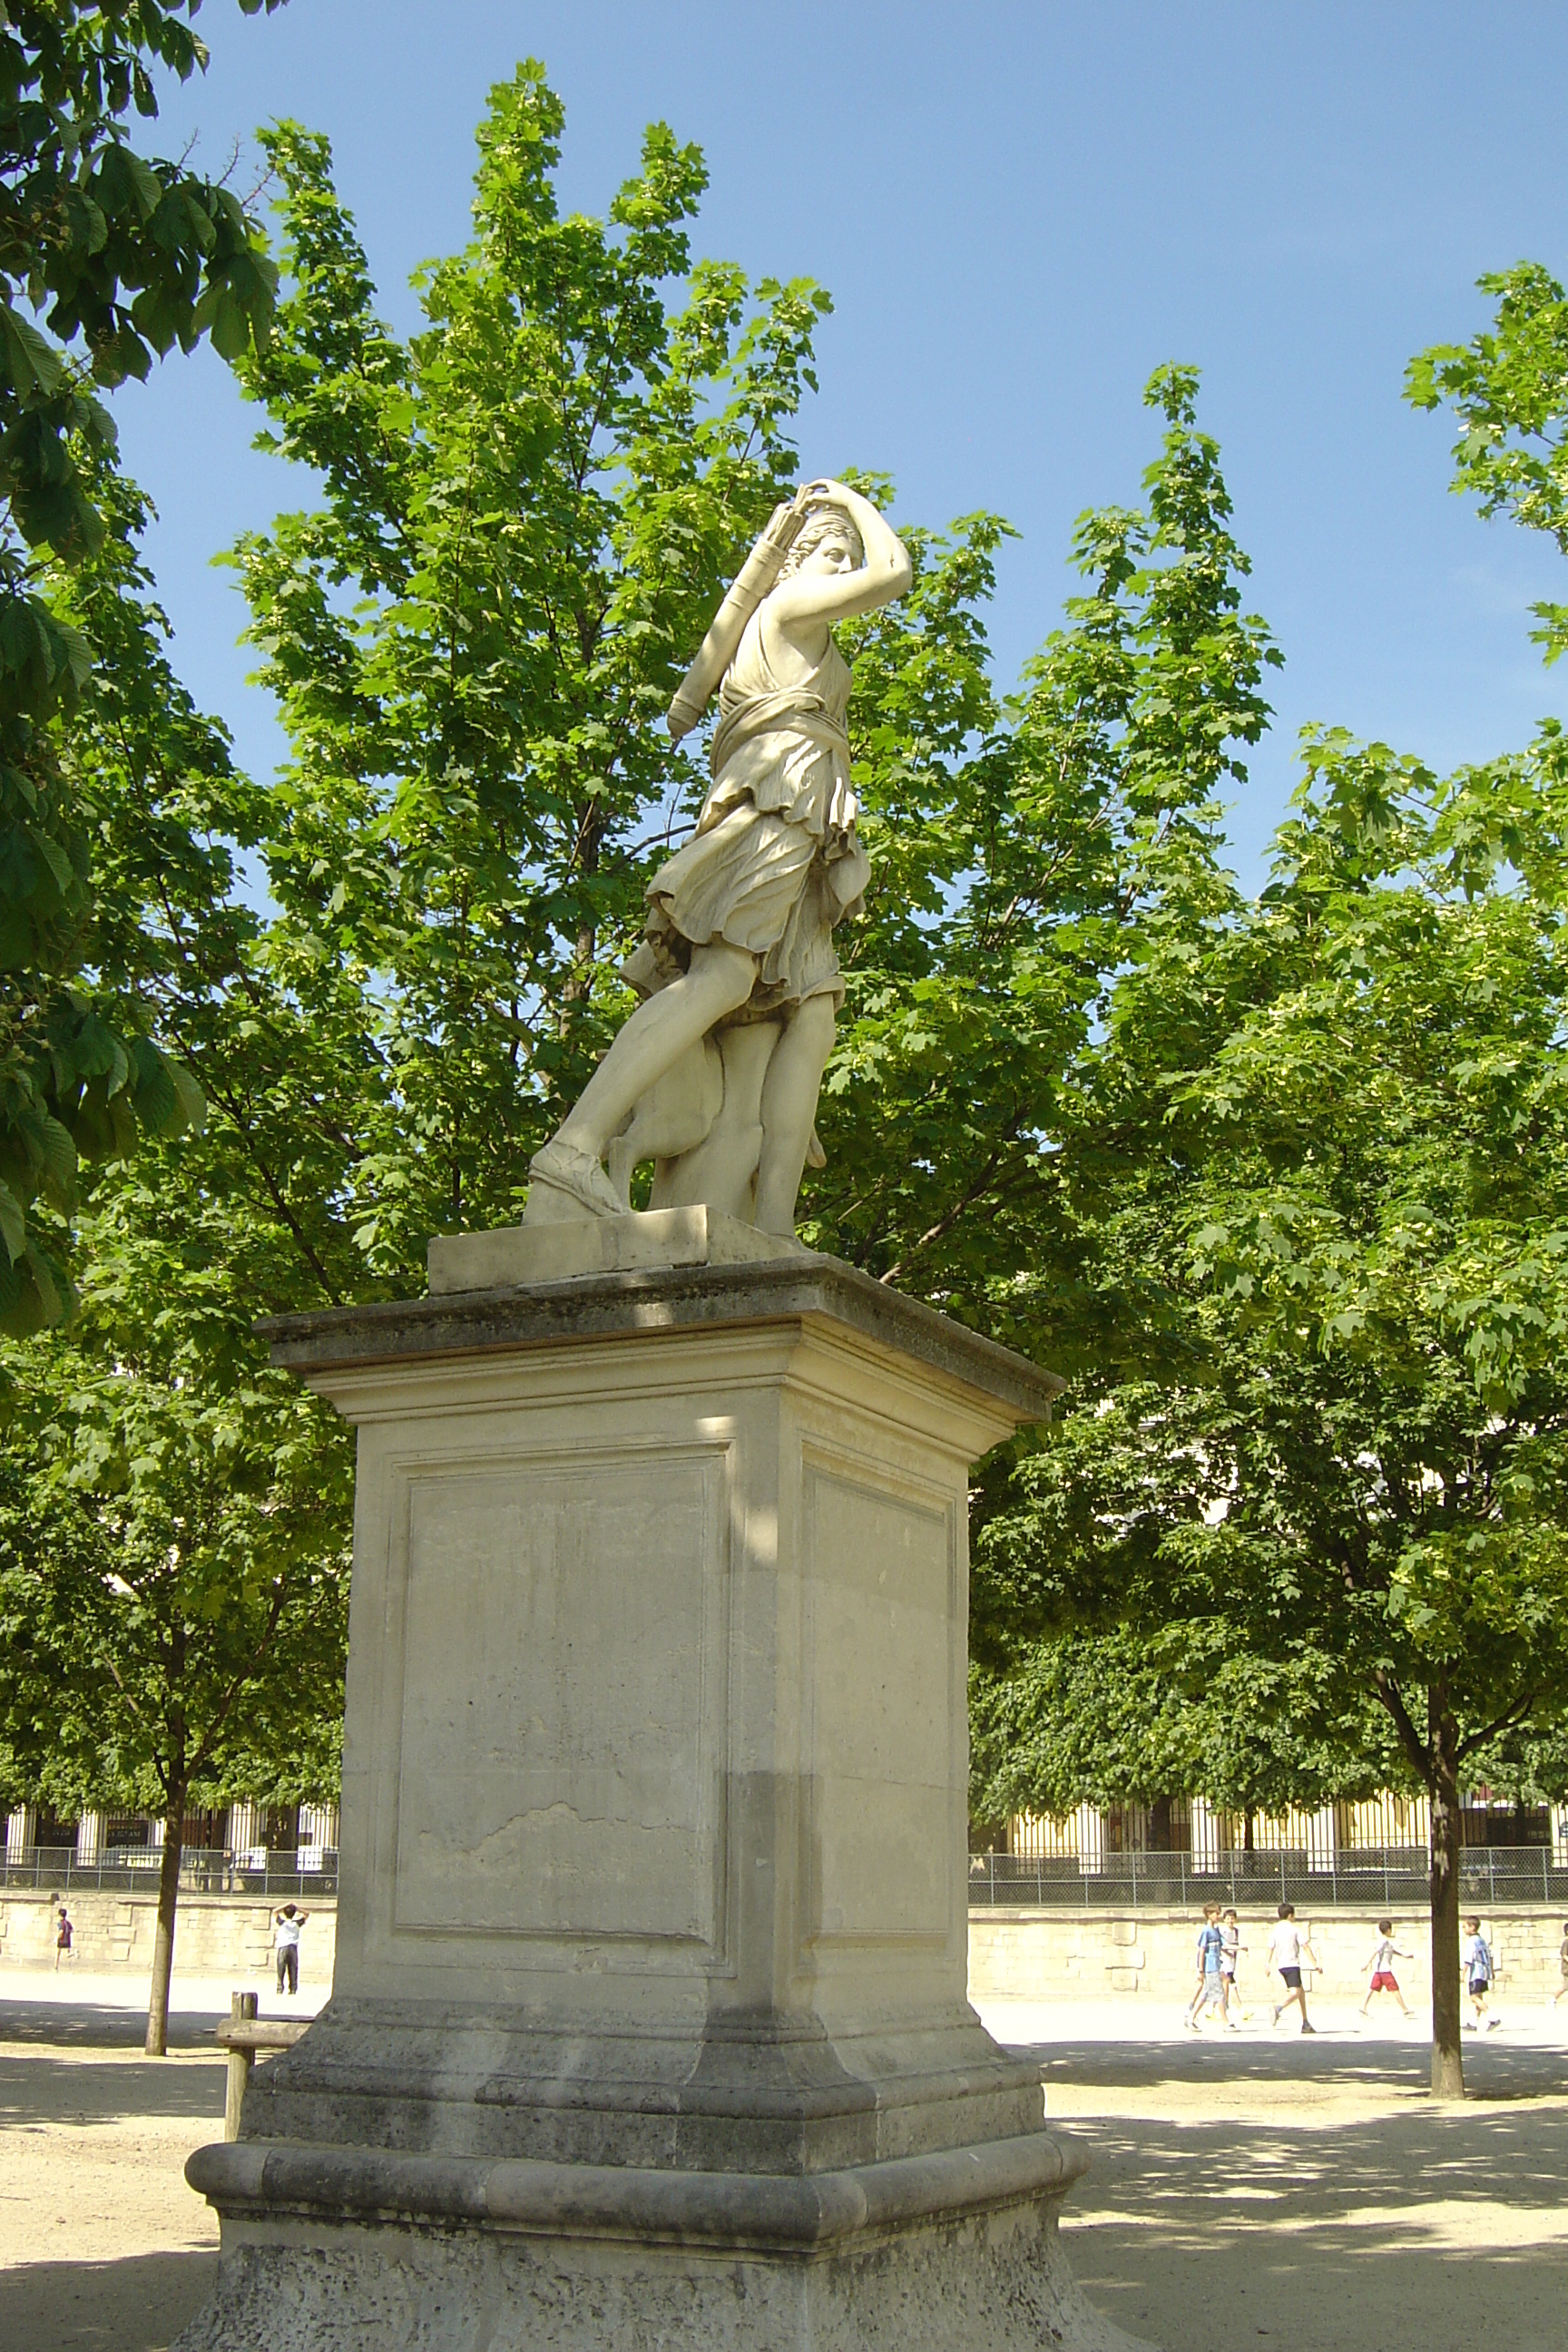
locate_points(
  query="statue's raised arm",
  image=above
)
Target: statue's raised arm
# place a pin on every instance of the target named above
(715, 1076)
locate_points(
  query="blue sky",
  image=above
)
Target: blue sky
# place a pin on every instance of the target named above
(1020, 211)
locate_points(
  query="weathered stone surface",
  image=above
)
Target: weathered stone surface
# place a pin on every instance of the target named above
(757, 2212)
(995, 2280)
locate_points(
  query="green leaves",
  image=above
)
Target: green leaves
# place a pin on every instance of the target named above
(13, 1223)
(1319, 1172)
(32, 366)
(117, 258)
(1022, 853)
(1509, 387)
(173, 1523)
(1306, 1218)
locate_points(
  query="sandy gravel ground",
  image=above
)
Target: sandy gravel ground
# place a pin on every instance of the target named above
(102, 2243)
(1258, 2187)
(1245, 2188)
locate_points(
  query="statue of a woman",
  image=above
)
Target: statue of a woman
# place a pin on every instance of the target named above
(716, 1075)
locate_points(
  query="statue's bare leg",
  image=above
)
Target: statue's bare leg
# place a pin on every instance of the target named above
(719, 980)
(568, 1181)
(789, 1108)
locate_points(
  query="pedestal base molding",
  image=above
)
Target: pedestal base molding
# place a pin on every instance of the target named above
(353, 2251)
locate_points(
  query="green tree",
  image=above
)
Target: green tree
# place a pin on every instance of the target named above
(1132, 1716)
(1021, 848)
(106, 259)
(528, 515)
(1319, 1175)
(173, 1534)
(174, 1529)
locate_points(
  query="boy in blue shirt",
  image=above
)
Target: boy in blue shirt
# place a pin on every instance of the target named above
(1210, 1993)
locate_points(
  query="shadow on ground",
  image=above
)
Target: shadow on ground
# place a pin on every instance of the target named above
(1434, 2224)
(96, 2025)
(39, 2089)
(38, 2086)
(137, 2304)
(1493, 2068)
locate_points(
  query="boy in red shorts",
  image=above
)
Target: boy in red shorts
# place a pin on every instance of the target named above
(1382, 1966)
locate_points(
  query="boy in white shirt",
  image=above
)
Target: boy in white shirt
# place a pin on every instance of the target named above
(286, 1927)
(1287, 1945)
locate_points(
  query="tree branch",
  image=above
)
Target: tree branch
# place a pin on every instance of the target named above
(1417, 1755)
(1514, 1714)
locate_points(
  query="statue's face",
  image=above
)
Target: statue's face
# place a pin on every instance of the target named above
(836, 551)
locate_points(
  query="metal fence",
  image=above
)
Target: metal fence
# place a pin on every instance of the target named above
(133, 1870)
(1364, 1878)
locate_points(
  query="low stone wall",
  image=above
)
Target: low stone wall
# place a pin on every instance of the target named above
(215, 1935)
(1012, 1955)
(1041, 1956)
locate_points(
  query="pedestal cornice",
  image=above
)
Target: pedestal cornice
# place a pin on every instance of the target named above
(657, 1302)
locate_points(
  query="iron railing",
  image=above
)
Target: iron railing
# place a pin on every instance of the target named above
(1357, 1879)
(1362, 1877)
(123, 1870)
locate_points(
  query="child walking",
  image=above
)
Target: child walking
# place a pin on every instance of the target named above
(1288, 1945)
(1479, 1974)
(1231, 1949)
(1210, 1993)
(1382, 1966)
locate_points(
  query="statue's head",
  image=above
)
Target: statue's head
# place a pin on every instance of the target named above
(827, 541)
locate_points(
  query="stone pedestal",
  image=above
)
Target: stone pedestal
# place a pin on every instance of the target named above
(649, 2023)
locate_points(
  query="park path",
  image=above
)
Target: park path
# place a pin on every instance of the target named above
(1264, 2189)
(1246, 2190)
(102, 2243)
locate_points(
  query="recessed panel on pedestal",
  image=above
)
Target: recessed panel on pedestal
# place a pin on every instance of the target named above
(562, 1743)
(881, 1628)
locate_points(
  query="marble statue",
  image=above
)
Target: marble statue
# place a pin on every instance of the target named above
(715, 1076)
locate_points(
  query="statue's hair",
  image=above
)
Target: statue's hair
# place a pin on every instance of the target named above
(819, 521)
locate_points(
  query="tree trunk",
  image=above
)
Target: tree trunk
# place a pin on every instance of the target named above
(1448, 2058)
(579, 981)
(157, 2042)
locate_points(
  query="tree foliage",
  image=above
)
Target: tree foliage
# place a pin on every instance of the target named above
(1019, 847)
(175, 1516)
(1329, 1139)
(107, 258)
(173, 1537)
(1509, 388)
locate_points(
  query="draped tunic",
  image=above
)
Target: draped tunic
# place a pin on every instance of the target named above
(776, 862)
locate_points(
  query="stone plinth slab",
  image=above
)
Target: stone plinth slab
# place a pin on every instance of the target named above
(517, 1257)
(652, 1923)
